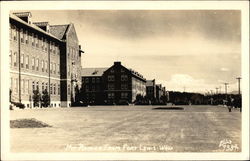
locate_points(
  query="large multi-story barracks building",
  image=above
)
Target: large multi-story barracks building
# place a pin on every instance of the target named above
(43, 56)
(114, 85)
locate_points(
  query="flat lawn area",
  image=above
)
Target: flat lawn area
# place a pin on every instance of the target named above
(127, 129)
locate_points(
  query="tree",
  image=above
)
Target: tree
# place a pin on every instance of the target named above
(45, 100)
(36, 98)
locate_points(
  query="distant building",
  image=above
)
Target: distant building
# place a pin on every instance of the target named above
(151, 89)
(43, 56)
(161, 94)
(92, 85)
(118, 84)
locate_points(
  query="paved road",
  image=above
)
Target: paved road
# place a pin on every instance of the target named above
(128, 129)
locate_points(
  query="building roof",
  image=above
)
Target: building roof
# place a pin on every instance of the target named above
(150, 83)
(22, 14)
(41, 23)
(93, 72)
(59, 30)
(33, 26)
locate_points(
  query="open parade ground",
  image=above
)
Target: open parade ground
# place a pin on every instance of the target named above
(129, 129)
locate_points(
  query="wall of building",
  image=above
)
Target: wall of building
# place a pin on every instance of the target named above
(37, 62)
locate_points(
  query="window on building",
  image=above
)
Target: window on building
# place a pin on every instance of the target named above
(46, 66)
(14, 33)
(68, 70)
(21, 36)
(54, 89)
(33, 63)
(37, 64)
(111, 78)
(32, 39)
(46, 87)
(93, 88)
(51, 67)
(93, 80)
(97, 80)
(37, 86)
(111, 86)
(22, 86)
(51, 89)
(33, 86)
(27, 62)
(26, 37)
(42, 86)
(53, 48)
(10, 58)
(122, 70)
(112, 70)
(87, 80)
(45, 45)
(111, 95)
(124, 77)
(58, 89)
(124, 95)
(54, 68)
(58, 68)
(86, 88)
(42, 43)
(15, 59)
(50, 46)
(36, 40)
(15, 85)
(42, 64)
(124, 86)
(22, 61)
(27, 86)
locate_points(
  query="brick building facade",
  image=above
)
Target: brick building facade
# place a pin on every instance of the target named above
(92, 85)
(42, 57)
(118, 84)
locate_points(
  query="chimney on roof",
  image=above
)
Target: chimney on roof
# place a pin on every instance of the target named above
(117, 63)
(43, 25)
(25, 16)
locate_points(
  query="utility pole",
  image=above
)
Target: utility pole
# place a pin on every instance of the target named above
(239, 78)
(239, 93)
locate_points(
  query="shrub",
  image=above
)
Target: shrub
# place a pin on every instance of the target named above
(45, 100)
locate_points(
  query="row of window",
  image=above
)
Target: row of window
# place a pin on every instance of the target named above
(27, 37)
(93, 80)
(73, 52)
(124, 95)
(93, 88)
(35, 63)
(112, 70)
(110, 87)
(25, 86)
(112, 78)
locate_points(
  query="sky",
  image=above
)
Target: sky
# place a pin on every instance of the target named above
(185, 50)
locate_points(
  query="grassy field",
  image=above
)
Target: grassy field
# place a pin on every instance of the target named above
(127, 129)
